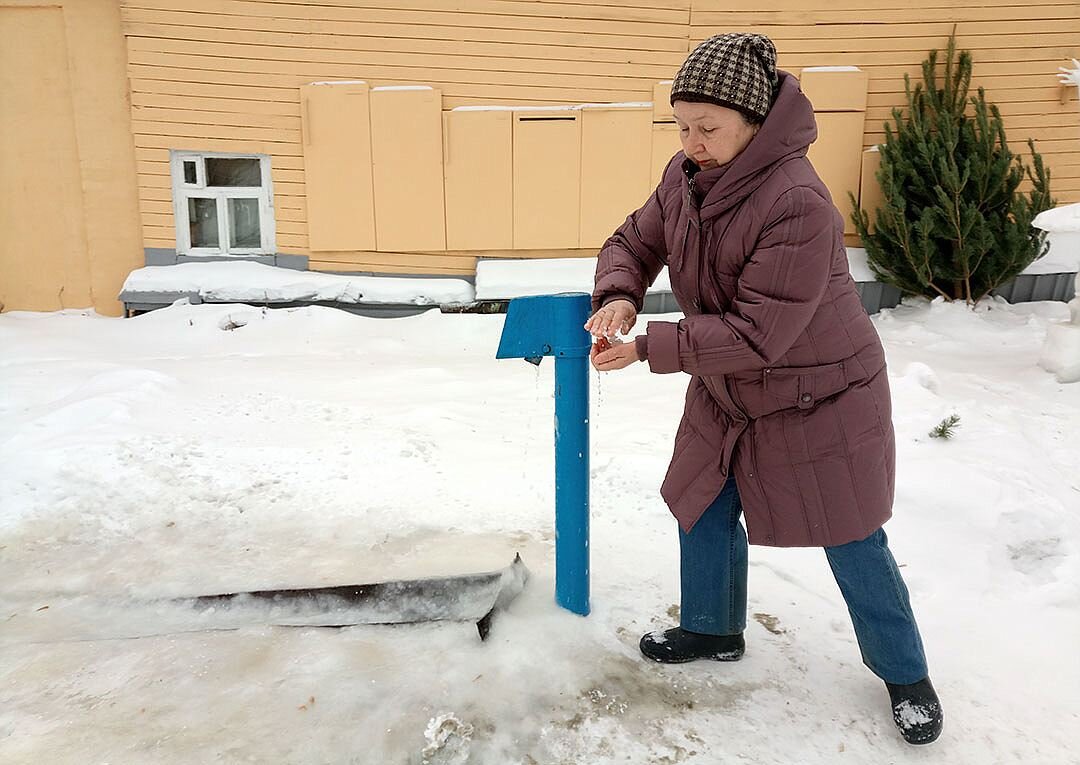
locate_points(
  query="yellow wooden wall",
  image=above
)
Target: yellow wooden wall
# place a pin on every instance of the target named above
(69, 218)
(225, 75)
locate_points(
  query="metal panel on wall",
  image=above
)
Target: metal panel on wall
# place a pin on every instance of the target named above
(406, 148)
(479, 180)
(337, 165)
(547, 178)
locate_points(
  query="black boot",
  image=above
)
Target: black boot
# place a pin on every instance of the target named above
(916, 711)
(677, 645)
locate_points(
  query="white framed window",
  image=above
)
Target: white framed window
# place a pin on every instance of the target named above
(223, 203)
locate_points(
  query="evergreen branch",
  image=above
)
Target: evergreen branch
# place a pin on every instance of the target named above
(946, 429)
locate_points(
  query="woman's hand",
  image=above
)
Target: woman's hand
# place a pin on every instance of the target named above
(618, 356)
(617, 316)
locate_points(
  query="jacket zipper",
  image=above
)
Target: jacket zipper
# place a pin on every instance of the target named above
(689, 217)
(691, 214)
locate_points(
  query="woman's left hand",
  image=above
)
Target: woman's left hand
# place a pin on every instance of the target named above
(617, 356)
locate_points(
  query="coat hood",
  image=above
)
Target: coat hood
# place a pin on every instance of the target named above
(787, 132)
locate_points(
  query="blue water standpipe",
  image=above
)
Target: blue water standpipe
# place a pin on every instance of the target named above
(553, 325)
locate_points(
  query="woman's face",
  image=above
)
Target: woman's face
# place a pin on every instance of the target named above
(712, 135)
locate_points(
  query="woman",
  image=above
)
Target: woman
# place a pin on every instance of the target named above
(787, 416)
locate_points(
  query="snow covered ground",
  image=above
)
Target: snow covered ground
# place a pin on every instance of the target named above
(212, 448)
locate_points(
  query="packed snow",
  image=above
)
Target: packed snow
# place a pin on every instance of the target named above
(220, 448)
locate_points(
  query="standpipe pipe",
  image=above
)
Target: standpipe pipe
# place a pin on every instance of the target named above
(552, 325)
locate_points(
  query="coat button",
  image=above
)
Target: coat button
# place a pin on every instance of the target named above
(807, 398)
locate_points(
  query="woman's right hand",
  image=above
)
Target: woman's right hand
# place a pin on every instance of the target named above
(618, 316)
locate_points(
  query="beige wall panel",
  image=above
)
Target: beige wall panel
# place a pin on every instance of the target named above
(43, 262)
(337, 166)
(478, 166)
(616, 167)
(665, 145)
(661, 96)
(403, 259)
(837, 157)
(547, 179)
(870, 194)
(835, 91)
(406, 144)
(106, 150)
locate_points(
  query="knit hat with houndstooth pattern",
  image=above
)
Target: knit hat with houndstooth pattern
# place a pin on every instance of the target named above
(735, 70)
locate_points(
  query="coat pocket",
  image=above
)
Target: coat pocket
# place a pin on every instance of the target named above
(801, 387)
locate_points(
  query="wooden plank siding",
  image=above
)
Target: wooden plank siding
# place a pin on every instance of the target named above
(1016, 49)
(224, 75)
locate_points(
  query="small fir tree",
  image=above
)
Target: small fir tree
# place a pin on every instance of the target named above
(953, 222)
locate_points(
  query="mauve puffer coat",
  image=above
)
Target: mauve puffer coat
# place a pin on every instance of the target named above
(788, 390)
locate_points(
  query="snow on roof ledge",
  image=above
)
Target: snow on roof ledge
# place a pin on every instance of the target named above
(504, 279)
(1058, 219)
(243, 281)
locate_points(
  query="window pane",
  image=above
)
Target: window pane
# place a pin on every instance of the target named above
(244, 223)
(190, 174)
(202, 218)
(233, 172)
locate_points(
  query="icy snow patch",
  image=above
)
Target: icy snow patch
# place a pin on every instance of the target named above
(447, 740)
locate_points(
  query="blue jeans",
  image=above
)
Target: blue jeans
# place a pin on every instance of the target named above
(713, 571)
